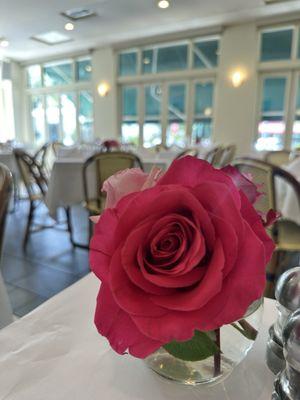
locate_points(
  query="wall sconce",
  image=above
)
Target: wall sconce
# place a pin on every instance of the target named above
(238, 77)
(103, 89)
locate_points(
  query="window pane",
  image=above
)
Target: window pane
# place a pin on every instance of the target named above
(130, 132)
(271, 133)
(176, 127)
(153, 98)
(204, 98)
(202, 130)
(38, 119)
(58, 74)
(129, 101)
(52, 116)
(128, 64)
(206, 54)
(148, 66)
(83, 70)
(276, 45)
(274, 94)
(34, 76)
(152, 125)
(68, 116)
(86, 116)
(165, 59)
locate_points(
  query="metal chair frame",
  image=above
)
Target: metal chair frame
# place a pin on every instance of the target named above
(94, 159)
(33, 178)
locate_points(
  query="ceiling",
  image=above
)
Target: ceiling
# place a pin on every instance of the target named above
(118, 21)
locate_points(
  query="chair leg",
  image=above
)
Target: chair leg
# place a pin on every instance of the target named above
(29, 221)
(271, 272)
(69, 224)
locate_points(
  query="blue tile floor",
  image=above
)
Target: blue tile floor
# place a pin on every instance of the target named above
(50, 263)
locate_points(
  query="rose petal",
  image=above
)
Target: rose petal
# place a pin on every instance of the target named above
(209, 286)
(119, 328)
(102, 244)
(242, 183)
(123, 183)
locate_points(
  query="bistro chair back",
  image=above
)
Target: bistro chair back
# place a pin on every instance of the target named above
(100, 167)
(278, 158)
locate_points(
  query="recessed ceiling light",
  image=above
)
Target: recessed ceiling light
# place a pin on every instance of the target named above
(69, 26)
(4, 42)
(163, 4)
(78, 13)
(52, 38)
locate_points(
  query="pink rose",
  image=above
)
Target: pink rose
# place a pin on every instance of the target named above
(186, 254)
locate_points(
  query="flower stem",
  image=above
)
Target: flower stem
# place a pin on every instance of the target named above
(217, 356)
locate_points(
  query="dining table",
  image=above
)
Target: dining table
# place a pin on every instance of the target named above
(56, 353)
(65, 186)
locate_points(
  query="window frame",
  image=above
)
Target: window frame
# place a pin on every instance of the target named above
(260, 113)
(74, 87)
(190, 85)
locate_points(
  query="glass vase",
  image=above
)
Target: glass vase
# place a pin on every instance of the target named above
(234, 348)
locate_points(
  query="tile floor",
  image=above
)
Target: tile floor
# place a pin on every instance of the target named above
(50, 263)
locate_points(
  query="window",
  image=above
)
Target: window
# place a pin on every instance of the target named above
(38, 119)
(202, 53)
(276, 44)
(152, 129)
(86, 119)
(177, 115)
(206, 54)
(56, 74)
(271, 127)
(59, 73)
(203, 112)
(34, 76)
(165, 59)
(155, 113)
(128, 63)
(61, 108)
(83, 70)
(130, 125)
(54, 117)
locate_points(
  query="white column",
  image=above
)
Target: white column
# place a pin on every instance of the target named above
(235, 114)
(105, 108)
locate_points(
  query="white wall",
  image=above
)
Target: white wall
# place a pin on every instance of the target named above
(235, 113)
(106, 113)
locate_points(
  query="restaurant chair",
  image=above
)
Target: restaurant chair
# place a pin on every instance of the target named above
(96, 170)
(285, 233)
(228, 155)
(36, 185)
(214, 156)
(6, 184)
(279, 157)
(187, 152)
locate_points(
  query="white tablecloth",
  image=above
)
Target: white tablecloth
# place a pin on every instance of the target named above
(55, 353)
(66, 184)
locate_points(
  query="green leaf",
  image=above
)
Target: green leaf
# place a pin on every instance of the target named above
(200, 347)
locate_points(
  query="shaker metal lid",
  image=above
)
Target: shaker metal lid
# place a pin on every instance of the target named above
(287, 291)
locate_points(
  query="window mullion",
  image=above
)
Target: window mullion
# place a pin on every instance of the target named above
(190, 101)
(164, 112)
(290, 109)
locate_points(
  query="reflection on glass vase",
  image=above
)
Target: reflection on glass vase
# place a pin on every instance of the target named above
(235, 341)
